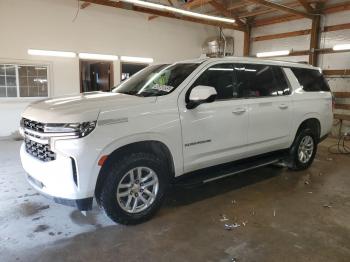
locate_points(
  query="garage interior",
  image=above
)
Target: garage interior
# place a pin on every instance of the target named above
(279, 215)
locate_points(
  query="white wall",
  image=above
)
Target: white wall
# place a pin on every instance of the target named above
(47, 24)
(328, 40)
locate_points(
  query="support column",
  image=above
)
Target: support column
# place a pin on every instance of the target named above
(246, 46)
(315, 40)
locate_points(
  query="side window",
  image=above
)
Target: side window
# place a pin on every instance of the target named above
(256, 80)
(281, 81)
(221, 78)
(311, 80)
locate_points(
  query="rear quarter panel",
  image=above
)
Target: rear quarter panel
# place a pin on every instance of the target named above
(310, 105)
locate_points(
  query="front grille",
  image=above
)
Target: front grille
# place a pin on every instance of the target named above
(40, 151)
(33, 125)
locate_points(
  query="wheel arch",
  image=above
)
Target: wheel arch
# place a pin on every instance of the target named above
(313, 123)
(149, 146)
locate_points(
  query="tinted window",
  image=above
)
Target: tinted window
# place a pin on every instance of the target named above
(156, 80)
(281, 81)
(260, 80)
(311, 80)
(221, 78)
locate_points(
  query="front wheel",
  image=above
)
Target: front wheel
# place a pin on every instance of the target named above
(303, 150)
(134, 188)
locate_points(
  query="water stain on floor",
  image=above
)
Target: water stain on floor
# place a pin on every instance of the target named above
(31, 208)
(41, 228)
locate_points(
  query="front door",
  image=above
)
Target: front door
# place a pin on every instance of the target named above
(214, 133)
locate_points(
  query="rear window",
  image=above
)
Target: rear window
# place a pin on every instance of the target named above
(258, 80)
(311, 80)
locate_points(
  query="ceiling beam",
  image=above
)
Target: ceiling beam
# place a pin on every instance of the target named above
(344, 6)
(223, 10)
(131, 7)
(339, 7)
(263, 11)
(155, 16)
(84, 5)
(195, 3)
(306, 5)
(276, 20)
(282, 8)
(237, 5)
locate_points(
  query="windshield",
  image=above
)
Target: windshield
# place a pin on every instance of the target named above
(156, 80)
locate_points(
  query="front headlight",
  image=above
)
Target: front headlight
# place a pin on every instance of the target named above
(74, 129)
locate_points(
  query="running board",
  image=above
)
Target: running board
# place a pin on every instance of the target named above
(240, 171)
(211, 174)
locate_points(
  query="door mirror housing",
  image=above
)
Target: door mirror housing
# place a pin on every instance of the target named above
(201, 94)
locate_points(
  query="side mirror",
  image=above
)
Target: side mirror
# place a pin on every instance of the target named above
(200, 95)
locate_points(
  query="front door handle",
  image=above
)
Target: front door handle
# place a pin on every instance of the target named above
(239, 111)
(283, 106)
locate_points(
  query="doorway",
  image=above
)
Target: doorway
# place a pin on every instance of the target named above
(96, 76)
(129, 69)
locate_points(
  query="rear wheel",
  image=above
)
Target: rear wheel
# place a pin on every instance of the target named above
(303, 150)
(134, 188)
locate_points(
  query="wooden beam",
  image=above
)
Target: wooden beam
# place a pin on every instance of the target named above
(84, 5)
(340, 7)
(342, 106)
(195, 3)
(336, 27)
(281, 35)
(306, 5)
(246, 44)
(300, 32)
(339, 72)
(276, 20)
(154, 16)
(237, 5)
(340, 94)
(299, 53)
(263, 11)
(335, 8)
(314, 40)
(282, 8)
(222, 9)
(136, 8)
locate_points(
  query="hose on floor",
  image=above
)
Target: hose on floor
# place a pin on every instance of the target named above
(340, 147)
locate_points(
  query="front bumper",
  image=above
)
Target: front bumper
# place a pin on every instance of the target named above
(56, 180)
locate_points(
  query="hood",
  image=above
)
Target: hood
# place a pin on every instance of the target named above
(80, 108)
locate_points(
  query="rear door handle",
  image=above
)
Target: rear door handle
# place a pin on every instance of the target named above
(283, 106)
(239, 111)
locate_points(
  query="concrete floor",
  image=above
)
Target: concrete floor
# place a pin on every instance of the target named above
(283, 216)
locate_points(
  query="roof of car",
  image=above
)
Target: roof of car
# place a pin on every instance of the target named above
(239, 59)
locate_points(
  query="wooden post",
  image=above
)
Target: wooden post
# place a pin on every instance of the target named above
(246, 46)
(314, 40)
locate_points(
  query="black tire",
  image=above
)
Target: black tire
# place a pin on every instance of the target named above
(108, 196)
(294, 162)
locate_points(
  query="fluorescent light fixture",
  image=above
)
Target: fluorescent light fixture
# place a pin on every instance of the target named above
(273, 53)
(50, 53)
(178, 11)
(136, 59)
(98, 57)
(341, 47)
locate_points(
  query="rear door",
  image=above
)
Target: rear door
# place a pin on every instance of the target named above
(267, 93)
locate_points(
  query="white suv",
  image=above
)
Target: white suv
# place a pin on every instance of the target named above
(126, 147)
